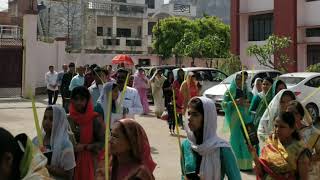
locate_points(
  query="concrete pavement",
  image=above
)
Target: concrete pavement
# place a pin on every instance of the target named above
(16, 116)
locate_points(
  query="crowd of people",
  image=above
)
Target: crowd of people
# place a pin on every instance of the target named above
(288, 137)
(72, 142)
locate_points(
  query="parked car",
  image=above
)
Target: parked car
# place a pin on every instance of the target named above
(207, 77)
(303, 84)
(164, 68)
(217, 92)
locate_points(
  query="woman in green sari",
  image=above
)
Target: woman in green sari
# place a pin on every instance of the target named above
(205, 154)
(259, 104)
(237, 139)
(266, 85)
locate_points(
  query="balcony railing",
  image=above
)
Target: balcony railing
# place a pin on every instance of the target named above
(117, 8)
(10, 32)
(120, 43)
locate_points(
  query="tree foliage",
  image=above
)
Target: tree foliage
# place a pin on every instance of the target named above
(264, 53)
(314, 68)
(207, 37)
(167, 33)
(231, 65)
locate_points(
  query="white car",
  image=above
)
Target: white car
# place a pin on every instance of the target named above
(207, 77)
(217, 92)
(303, 84)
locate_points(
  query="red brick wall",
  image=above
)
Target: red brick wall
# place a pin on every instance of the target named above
(285, 24)
(235, 27)
(5, 19)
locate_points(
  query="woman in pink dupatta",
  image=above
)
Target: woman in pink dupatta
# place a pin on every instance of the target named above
(130, 153)
(140, 83)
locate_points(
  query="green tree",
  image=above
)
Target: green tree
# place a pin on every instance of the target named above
(167, 33)
(230, 65)
(207, 37)
(189, 46)
(264, 53)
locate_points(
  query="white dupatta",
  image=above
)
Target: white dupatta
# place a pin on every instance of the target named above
(210, 168)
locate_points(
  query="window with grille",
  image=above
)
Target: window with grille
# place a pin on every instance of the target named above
(313, 32)
(99, 31)
(260, 27)
(123, 32)
(150, 3)
(150, 27)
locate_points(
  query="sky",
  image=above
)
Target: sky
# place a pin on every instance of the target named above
(165, 1)
(3, 4)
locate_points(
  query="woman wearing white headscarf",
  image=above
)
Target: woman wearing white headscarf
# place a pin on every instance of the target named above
(257, 87)
(157, 81)
(57, 145)
(204, 154)
(278, 104)
(116, 113)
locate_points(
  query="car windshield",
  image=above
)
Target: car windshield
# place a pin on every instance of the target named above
(229, 79)
(292, 80)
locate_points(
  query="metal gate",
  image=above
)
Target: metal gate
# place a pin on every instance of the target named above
(11, 56)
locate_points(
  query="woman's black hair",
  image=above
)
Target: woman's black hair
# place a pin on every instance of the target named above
(49, 108)
(80, 91)
(180, 79)
(197, 104)
(170, 73)
(268, 79)
(280, 82)
(288, 118)
(238, 76)
(298, 106)
(9, 144)
(289, 93)
(114, 85)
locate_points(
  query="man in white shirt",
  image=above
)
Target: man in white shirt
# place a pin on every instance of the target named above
(131, 100)
(52, 85)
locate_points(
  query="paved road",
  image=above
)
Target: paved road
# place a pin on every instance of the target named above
(16, 116)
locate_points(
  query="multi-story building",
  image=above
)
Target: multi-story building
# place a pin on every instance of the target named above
(112, 26)
(220, 8)
(252, 21)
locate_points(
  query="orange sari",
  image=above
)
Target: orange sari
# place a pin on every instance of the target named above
(280, 162)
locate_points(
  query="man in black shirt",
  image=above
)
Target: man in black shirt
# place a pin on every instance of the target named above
(65, 93)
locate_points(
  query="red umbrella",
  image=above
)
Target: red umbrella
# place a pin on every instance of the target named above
(122, 58)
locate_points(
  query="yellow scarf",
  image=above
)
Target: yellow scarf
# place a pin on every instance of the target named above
(279, 158)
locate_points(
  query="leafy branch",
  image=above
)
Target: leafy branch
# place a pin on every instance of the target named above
(265, 53)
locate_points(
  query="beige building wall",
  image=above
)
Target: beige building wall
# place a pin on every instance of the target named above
(308, 14)
(37, 56)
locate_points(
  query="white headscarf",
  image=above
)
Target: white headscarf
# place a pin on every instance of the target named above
(103, 99)
(267, 120)
(255, 89)
(210, 167)
(59, 135)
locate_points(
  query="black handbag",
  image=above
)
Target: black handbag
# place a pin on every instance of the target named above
(252, 133)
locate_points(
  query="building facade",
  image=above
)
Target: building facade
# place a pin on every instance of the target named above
(220, 8)
(110, 26)
(252, 21)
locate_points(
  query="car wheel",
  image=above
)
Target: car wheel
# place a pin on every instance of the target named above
(313, 110)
